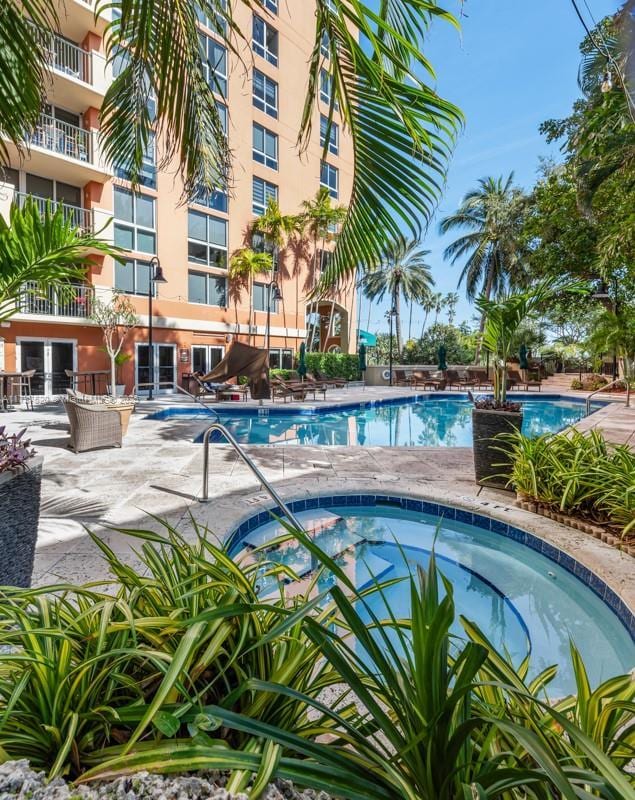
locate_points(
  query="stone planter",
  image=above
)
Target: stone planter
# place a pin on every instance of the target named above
(19, 517)
(491, 464)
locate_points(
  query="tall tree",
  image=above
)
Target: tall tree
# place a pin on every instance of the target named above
(451, 300)
(491, 217)
(403, 272)
(161, 87)
(427, 304)
(244, 265)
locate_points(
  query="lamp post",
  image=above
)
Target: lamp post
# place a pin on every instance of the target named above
(390, 314)
(273, 293)
(155, 276)
(610, 302)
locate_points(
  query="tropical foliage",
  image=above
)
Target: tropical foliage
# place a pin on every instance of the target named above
(182, 667)
(579, 474)
(378, 70)
(244, 265)
(40, 250)
(402, 272)
(459, 345)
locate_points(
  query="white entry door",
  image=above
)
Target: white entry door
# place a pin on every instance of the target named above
(50, 358)
(164, 368)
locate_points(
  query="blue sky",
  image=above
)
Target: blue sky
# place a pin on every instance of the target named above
(513, 65)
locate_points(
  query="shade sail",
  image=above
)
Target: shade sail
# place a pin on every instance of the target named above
(252, 362)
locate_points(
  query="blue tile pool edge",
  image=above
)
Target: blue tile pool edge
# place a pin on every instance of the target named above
(239, 410)
(597, 585)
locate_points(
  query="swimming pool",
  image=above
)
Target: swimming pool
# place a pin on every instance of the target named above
(504, 580)
(420, 422)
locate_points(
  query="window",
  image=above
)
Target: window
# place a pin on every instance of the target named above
(207, 240)
(210, 290)
(333, 135)
(259, 245)
(216, 200)
(134, 221)
(133, 277)
(265, 94)
(329, 177)
(326, 88)
(325, 45)
(262, 190)
(49, 189)
(270, 5)
(214, 64)
(120, 62)
(206, 357)
(264, 40)
(260, 298)
(148, 175)
(281, 359)
(216, 24)
(265, 146)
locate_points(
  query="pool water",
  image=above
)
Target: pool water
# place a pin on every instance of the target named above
(521, 600)
(425, 423)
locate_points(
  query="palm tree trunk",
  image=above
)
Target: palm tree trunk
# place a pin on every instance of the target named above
(410, 323)
(481, 326)
(425, 322)
(313, 324)
(251, 305)
(397, 306)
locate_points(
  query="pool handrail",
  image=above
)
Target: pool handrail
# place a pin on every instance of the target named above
(608, 386)
(216, 426)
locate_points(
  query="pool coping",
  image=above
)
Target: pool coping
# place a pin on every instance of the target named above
(601, 586)
(240, 410)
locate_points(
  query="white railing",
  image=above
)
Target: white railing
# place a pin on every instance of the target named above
(80, 217)
(61, 137)
(72, 300)
(69, 59)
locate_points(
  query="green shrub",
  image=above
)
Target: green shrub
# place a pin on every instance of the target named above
(285, 374)
(577, 473)
(334, 365)
(576, 383)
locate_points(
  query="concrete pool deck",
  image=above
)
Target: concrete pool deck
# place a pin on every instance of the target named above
(159, 470)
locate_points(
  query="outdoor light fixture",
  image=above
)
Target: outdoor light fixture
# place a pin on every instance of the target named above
(273, 293)
(155, 276)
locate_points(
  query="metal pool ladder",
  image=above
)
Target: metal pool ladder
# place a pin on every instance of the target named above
(608, 385)
(216, 426)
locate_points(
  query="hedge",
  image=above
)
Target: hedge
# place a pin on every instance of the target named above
(334, 365)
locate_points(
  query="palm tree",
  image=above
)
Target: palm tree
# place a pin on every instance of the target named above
(439, 303)
(428, 304)
(451, 299)
(403, 271)
(491, 214)
(244, 265)
(320, 219)
(275, 226)
(40, 250)
(379, 85)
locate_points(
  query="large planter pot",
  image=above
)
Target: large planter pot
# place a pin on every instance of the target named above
(491, 464)
(125, 412)
(120, 390)
(19, 517)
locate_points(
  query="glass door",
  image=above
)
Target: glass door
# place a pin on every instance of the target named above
(206, 357)
(164, 368)
(32, 357)
(50, 359)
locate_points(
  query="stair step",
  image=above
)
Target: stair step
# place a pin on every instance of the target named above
(313, 521)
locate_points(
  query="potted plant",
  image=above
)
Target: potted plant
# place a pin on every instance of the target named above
(116, 318)
(20, 484)
(120, 388)
(493, 415)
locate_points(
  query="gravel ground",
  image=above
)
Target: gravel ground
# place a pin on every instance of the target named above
(19, 782)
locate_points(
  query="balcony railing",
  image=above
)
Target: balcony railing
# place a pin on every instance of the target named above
(72, 300)
(70, 59)
(82, 218)
(61, 137)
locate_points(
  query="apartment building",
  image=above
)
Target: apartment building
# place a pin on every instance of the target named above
(198, 311)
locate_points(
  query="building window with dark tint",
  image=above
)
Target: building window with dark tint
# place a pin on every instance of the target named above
(270, 5)
(148, 174)
(265, 146)
(262, 191)
(264, 41)
(265, 94)
(217, 200)
(214, 57)
(206, 239)
(133, 277)
(260, 298)
(134, 221)
(329, 177)
(326, 89)
(280, 359)
(209, 290)
(217, 23)
(333, 135)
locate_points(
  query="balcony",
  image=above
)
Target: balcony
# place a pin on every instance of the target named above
(74, 300)
(82, 218)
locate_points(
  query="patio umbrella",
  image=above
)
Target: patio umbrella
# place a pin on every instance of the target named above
(302, 361)
(522, 357)
(441, 353)
(362, 358)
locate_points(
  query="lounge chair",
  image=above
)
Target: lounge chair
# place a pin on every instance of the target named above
(93, 426)
(306, 386)
(481, 381)
(402, 378)
(280, 389)
(517, 380)
(425, 378)
(453, 378)
(324, 379)
(215, 391)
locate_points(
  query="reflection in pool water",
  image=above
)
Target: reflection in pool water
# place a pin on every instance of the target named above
(427, 423)
(519, 598)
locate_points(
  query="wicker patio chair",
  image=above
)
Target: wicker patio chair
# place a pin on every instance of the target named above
(93, 426)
